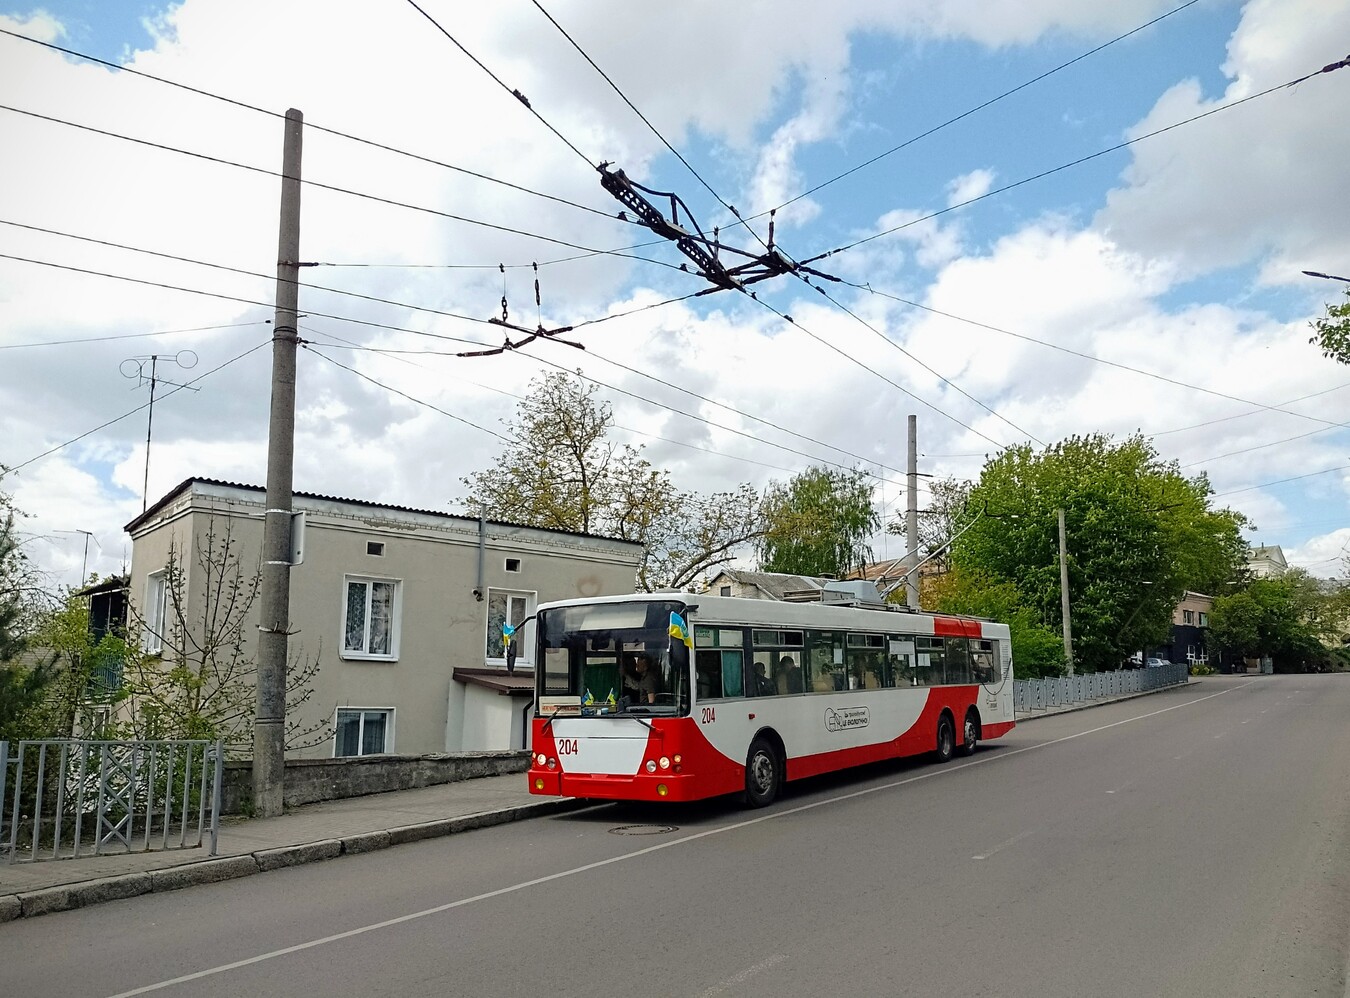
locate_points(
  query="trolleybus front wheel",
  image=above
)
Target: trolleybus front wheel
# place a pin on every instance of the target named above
(762, 774)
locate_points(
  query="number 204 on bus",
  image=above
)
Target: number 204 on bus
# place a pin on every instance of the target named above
(674, 696)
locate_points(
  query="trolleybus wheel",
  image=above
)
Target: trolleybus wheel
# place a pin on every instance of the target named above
(971, 733)
(762, 774)
(946, 739)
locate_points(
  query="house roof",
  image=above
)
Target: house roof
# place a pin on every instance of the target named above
(513, 684)
(187, 484)
(115, 584)
(773, 584)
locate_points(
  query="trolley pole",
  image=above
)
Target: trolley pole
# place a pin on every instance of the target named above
(269, 727)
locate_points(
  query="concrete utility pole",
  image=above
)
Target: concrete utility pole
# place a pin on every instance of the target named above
(912, 519)
(269, 726)
(1064, 595)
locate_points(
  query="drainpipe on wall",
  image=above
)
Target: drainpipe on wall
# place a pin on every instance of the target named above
(482, 551)
(525, 724)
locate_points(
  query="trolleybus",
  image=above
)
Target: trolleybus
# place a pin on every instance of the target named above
(675, 696)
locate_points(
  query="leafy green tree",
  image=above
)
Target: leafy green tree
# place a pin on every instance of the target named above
(25, 679)
(1332, 331)
(1139, 534)
(561, 471)
(1291, 618)
(819, 523)
(1037, 650)
(80, 670)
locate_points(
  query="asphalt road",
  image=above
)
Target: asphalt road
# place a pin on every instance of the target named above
(1195, 842)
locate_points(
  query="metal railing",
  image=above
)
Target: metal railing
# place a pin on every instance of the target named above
(1039, 694)
(67, 798)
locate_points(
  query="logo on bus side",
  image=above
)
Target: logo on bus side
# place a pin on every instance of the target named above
(846, 718)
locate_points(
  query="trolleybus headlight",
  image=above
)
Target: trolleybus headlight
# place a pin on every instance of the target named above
(664, 763)
(661, 790)
(651, 766)
(539, 783)
(553, 764)
(541, 758)
(677, 760)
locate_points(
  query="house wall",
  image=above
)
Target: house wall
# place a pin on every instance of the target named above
(440, 623)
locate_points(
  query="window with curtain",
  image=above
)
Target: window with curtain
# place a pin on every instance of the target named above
(503, 606)
(365, 731)
(370, 619)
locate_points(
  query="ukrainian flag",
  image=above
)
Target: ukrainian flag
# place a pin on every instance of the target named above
(507, 633)
(587, 700)
(679, 630)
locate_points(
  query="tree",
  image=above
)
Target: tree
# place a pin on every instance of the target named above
(80, 671)
(200, 678)
(1036, 649)
(948, 510)
(819, 523)
(1139, 536)
(562, 472)
(1289, 618)
(1332, 331)
(25, 681)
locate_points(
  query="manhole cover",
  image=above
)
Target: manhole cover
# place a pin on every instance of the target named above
(643, 830)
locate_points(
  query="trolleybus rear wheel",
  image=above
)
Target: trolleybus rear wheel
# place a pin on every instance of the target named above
(946, 739)
(762, 774)
(971, 733)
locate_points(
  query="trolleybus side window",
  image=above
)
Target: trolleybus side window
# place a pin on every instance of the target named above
(867, 665)
(901, 653)
(983, 661)
(930, 655)
(719, 662)
(776, 663)
(825, 662)
(958, 660)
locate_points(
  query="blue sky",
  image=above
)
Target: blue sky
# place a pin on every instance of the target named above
(1155, 288)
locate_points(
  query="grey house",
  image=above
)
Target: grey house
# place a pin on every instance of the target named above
(402, 606)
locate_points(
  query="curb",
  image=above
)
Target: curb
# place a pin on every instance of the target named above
(211, 871)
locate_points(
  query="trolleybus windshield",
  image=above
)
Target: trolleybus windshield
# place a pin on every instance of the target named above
(612, 658)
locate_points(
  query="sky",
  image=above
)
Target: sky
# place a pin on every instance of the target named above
(1045, 218)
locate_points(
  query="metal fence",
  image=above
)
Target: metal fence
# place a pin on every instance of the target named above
(66, 798)
(1038, 694)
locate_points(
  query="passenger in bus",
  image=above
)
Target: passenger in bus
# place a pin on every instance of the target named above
(789, 675)
(762, 685)
(640, 679)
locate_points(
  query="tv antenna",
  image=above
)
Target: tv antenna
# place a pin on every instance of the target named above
(134, 367)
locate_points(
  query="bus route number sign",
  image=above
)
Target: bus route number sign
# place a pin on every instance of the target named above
(567, 746)
(709, 716)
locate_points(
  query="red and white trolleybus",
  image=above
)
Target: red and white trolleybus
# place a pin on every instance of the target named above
(674, 696)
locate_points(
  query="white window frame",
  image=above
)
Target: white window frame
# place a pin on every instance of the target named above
(389, 715)
(395, 614)
(156, 611)
(524, 638)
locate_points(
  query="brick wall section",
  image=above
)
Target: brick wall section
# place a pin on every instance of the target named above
(309, 781)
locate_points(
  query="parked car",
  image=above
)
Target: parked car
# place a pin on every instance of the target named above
(1157, 663)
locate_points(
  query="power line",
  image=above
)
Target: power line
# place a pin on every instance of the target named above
(132, 412)
(1077, 162)
(1090, 357)
(128, 336)
(318, 128)
(1265, 485)
(331, 187)
(981, 106)
(1249, 412)
(890, 342)
(496, 266)
(678, 155)
(853, 360)
(514, 93)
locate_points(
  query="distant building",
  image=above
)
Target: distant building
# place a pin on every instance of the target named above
(1267, 561)
(764, 585)
(403, 606)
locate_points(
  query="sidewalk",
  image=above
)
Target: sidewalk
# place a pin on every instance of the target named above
(304, 835)
(247, 846)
